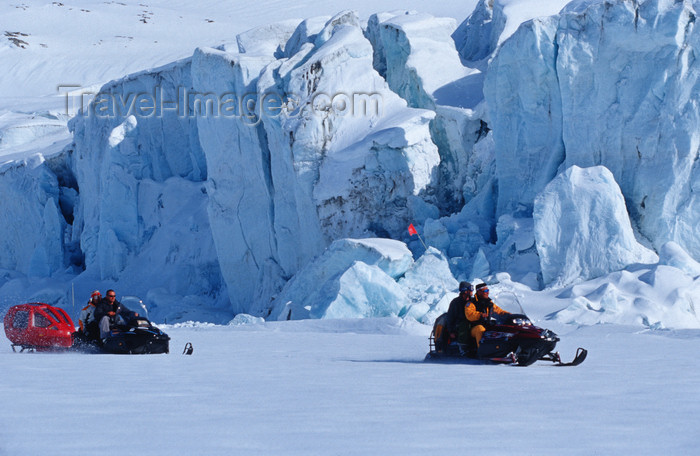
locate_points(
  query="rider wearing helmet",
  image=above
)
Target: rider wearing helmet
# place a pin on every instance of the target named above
(479, 310)
(87, 321)
(457, 324)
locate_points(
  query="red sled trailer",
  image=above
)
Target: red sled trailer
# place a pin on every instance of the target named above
(38, 327)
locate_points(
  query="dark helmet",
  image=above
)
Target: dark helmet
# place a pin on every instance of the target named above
(465, 286)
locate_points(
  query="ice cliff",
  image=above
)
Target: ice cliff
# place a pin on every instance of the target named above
(31, 193)
(141, 217)
(603, 83)
(258, 177)
(344, 157)
(576, 213)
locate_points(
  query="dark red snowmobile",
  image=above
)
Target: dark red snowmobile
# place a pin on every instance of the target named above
(509, 339)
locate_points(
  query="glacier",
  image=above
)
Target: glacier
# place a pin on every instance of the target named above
(242, 179)
(142, 194)
(285, 182)
(566, 107)
(31, 192)
(327, 286)
(417, 56)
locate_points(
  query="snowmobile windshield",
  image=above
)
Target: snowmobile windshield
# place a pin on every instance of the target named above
(135, 304)
(508, 301)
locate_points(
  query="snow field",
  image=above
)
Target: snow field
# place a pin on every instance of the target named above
(352, 387)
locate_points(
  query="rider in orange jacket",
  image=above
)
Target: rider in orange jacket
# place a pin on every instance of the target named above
(480, 308)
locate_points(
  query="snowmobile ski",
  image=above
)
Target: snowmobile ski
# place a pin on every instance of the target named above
(554, 357)
(580, 357)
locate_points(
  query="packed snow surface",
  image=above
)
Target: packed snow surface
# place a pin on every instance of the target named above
(352, 387)
(358, 134)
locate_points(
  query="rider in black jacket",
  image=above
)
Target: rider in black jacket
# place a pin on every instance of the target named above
(457, 324)
(107, 311)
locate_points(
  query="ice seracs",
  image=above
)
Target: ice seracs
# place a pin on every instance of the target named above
(603, 83)
(476, 37)
(240, 207)
(33, 228)
(429, 286)
(142, 197)
(371, 277)
(582, 229)
(417, 56)
(343, 157)
(352, 278)
(524, 104)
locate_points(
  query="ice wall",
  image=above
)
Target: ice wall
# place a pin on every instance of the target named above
(32, 227)
(240, 209)
(327, 151)
(477, 37)
(417, 55)
(140, 171)
(524, 103)
(582, 228)
(604, 83)
(632, 85)
(334, 131)
(117, 146)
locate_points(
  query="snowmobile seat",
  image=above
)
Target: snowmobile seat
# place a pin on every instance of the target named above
(440, 334)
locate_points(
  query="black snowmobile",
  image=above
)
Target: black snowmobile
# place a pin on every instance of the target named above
(137, 336)
(130, 335)
(509, 339)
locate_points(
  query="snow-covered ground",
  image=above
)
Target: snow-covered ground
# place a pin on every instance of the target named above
(353, 387)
